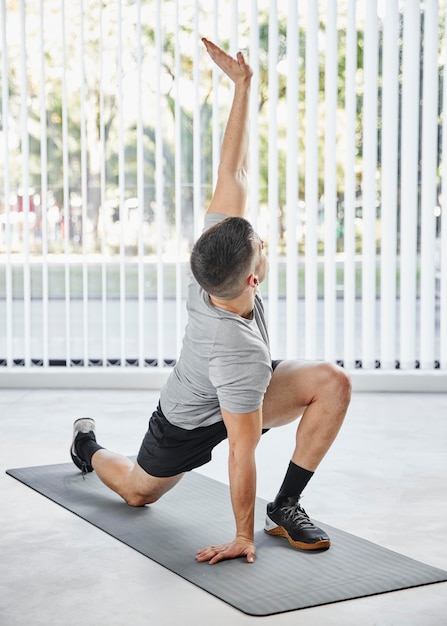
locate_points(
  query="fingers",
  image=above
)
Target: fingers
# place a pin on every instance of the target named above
(235, 68)
(215, 51)
(231, 550)
(206, 554)
(241, 60)
(212, 554)
(218, 557)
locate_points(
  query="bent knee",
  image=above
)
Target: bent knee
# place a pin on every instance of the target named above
(138, 500)
(336, 380)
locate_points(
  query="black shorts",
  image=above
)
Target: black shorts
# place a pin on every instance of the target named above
(168, 450)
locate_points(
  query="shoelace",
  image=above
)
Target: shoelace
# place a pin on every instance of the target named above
(297, 515)
(84, 469)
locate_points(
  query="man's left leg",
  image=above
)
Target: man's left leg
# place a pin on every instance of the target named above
(135, 485)
(320, 394)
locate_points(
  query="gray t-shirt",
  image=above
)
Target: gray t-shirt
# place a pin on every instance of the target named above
(224, 362)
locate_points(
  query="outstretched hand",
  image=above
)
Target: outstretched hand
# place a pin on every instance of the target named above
(231, 550)
(236, 69)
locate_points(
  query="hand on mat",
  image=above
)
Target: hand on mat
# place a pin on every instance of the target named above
(236, 69)
(231, 550)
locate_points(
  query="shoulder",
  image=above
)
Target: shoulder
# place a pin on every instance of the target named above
(239, 348)
(233, 333)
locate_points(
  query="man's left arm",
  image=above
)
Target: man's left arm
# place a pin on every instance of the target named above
(244, 431)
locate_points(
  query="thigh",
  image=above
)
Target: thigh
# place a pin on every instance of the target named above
(293, 386)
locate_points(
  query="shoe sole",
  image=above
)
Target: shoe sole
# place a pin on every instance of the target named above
(279, 531)
(82, 419)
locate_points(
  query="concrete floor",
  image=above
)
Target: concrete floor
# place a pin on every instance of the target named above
(385, 479)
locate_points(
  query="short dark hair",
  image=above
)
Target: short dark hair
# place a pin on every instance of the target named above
(222, 257)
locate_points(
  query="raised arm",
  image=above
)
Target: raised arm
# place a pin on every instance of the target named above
(230, 194)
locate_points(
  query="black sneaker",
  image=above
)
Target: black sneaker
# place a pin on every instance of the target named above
(83, 425)
(291, 521)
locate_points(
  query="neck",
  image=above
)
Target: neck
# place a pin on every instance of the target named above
(242, 305)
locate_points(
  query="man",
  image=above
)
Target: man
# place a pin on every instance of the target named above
(224, 383)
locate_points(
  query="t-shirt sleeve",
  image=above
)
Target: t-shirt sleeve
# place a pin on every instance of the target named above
(240, 371)
(211, 219)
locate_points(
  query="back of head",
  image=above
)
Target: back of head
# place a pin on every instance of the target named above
(223, 258)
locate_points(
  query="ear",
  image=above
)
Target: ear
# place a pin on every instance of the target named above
(253, 281)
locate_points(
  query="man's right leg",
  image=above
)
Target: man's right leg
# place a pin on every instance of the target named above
(320, 393)
(119, 473)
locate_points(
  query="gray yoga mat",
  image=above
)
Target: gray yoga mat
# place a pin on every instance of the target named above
(197, 513)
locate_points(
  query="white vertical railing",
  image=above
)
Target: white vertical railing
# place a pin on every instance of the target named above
(215, 119)
(84, 192)
(44, 192)
(349, 264)
(103, 226)
(370, 136)
(442, 278)
(7, 322)
(140, 189)
(65, 190)
(311, 180)
(253, 57)
(409, 182)
(429, 164)
(369, 187)
(234, 27)
(159, 191)
(25, 187)
(178, 188)
(330, 182)
(121, 190)
(273, 203)
(389, 157)
(197, 175)
(292, 180)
